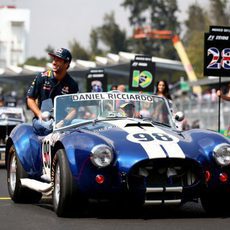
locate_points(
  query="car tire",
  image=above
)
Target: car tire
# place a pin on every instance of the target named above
(15, 172)
(66, 197)
(215, 204)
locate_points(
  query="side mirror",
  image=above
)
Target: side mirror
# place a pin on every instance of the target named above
(179, 116)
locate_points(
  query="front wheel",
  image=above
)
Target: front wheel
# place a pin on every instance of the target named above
(66, 198)
(15, 172)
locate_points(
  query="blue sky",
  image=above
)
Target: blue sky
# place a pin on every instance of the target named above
(56, 23)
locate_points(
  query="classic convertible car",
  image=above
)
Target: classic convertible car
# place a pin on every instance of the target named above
(9, 118)
(121, 147)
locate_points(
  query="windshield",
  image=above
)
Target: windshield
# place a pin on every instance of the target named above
(83, 107)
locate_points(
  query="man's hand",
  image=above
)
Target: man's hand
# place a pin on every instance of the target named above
(62, 123)
(59, 124)
(45, 116)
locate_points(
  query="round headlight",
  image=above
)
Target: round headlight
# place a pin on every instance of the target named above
(221, 154)
(101, 155)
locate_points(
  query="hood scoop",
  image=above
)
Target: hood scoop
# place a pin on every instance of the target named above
(139, 124)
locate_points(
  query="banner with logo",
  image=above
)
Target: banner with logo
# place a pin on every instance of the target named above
(96, 81)
(142, 73)
(217, 52)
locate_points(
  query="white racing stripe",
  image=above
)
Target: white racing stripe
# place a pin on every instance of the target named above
(153, 150)
(156, 142)
(171, 147)
(174, 150)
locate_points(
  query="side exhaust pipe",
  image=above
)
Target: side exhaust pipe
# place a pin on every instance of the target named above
(38, 186)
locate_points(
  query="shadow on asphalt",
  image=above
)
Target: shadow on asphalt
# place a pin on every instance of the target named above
(106, 210)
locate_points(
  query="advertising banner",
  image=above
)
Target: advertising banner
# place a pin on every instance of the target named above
(142, 73)
(96, 81)
(217, 52)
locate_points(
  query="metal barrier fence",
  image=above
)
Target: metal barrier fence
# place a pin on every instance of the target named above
(204, 113)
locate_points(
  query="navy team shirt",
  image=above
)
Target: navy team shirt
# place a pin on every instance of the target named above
(46, 86)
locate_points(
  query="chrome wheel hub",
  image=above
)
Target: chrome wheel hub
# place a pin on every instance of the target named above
(57, 185)
(13, 167)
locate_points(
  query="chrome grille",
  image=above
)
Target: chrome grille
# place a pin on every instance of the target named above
(164, 180)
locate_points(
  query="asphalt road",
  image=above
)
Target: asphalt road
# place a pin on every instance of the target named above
(102, 217)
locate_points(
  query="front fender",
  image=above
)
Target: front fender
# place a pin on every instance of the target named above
(28, 148)
(78, 148)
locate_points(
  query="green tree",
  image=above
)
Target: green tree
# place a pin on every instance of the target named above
(36, 61)
(197, 21)
(77, 51)
(160, 15)
(137, 9)
(111, 35)
(94, 40)
(196, 24)
(219, 12)
(49, 49)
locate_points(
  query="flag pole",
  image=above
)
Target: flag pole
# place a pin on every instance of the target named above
(219, 105)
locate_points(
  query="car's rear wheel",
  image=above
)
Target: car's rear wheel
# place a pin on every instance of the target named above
(66, 198)
(15, 172)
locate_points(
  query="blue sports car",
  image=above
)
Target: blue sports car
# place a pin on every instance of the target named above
(117, 146)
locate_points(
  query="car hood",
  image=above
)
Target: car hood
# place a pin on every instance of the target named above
(136, 140)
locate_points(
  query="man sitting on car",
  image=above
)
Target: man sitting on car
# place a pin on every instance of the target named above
(49, 84)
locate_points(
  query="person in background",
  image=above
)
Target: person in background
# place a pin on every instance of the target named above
(113, 87)
(96, 86)
(48, 85)
(128, 109)
(121, 88)
(162, 89)
(144, 112)
(226, 96)
(2, 101)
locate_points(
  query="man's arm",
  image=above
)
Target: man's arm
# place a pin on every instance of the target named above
(220, 94)
(33, 107)
(70, 116)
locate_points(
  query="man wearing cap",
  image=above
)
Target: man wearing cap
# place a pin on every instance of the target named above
(128, 109)
(49, 84)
